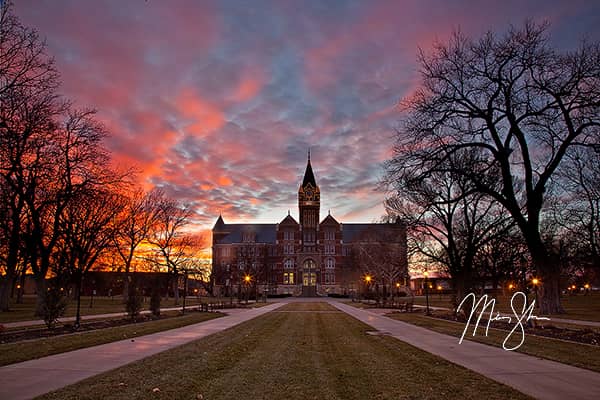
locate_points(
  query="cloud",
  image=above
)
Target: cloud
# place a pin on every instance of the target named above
(218, 104)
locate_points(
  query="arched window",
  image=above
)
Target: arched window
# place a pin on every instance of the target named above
(330, 263)
(288, 264)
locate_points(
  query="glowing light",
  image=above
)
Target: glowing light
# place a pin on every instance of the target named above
(439, 288)
(368, 278)
(511, 286)
(426, 274)
(535, 281)
(587, 286)
(247, 278)
(398, 284)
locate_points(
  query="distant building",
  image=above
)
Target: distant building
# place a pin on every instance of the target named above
(305, 258)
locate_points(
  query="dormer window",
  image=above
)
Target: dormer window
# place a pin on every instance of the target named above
(248, 237)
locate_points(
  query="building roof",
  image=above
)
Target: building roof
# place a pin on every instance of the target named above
(309, 177)
(288, 220)
(356, 232)
(219, 225)
(264, 233)
(329, 220)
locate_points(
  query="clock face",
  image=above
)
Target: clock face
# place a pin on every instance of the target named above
(309, 193)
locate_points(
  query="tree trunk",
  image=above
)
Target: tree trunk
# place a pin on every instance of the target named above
(462, 286)
(125, 286)
(548, 268)
(176, 289)
(5, 293)
(548, 294)
(41, 289)
(21, 289)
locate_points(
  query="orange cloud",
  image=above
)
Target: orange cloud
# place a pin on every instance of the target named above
(225, 181)
(204, 117)
(247, 89)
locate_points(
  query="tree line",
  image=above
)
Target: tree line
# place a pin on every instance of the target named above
(496, 163)
(63, 208)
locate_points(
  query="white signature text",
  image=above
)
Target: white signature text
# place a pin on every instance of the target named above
(524, 315)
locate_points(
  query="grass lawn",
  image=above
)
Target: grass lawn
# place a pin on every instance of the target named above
(581, 307)
(291, 355)
(27, 350)
(101, 305)
(579, 355)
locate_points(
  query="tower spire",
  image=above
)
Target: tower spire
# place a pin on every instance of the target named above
(309, 154)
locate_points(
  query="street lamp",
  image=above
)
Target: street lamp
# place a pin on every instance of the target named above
(247, 280)
(439, 289)
(426, 274)
(536, 282)
(368, 280)
(587, 288)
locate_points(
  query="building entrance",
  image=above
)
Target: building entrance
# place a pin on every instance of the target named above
(309, 278)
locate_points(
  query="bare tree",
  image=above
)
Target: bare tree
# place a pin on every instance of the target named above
(28, 105)
(448, 224)
(519, 103)
(580, 213)
(381, 254)
(88, 225)
(503, 259)
(74, 162)
(137, 219)
(173, 246)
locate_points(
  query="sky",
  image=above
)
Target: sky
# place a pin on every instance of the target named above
(217, 103)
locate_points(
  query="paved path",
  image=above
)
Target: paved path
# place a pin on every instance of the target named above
(542, 379)
(35, 377)
(552, 319)
(23, 324)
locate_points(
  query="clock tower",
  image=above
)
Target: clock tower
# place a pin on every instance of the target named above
(309, 203)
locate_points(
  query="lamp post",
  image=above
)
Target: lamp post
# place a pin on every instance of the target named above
(367, 283)
(426, 274)
(247, 283)
(535, 282)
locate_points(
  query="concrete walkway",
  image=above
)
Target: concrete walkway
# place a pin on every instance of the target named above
(35, 377)
(542, 379)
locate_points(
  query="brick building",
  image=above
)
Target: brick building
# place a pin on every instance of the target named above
(307, 257)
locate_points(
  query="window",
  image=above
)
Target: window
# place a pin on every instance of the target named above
(288, 249)
(309, 237)
(329, 263)
(288, 278)
(329, 248)
(310, 219)
(329, 234)
(329, 278)
(288, 235)
(288, 263)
